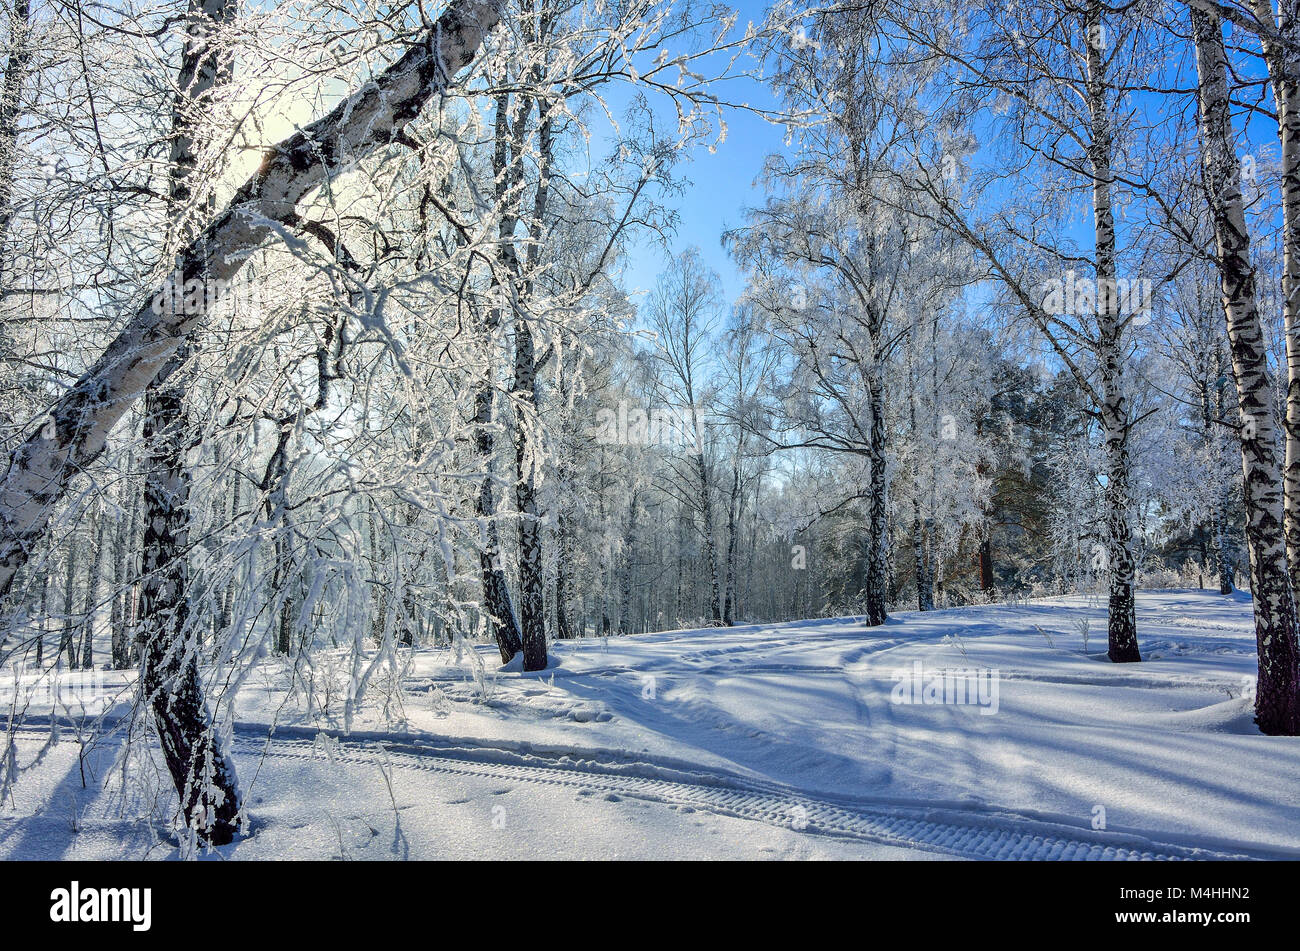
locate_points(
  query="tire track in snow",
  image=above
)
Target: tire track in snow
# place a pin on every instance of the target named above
(974, 836)
(992, 835)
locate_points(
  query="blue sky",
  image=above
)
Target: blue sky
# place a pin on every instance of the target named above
(720, 186)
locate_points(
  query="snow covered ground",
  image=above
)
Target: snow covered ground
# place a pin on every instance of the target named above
(780, 741)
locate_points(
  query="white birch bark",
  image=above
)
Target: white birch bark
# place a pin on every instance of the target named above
(78, 425)
(1121, 621)
(1277, 698)
(1284, 74)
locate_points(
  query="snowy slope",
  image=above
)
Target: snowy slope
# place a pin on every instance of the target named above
(771, 741)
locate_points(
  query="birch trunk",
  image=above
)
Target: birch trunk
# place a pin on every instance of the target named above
(228, 595)
(1284, 75)
(11, 93)
(1223, 554)
(204, 777)
(1121, 622)
(532, 604)
(706, 513)
(208, 797)
(532, 601)
(131, 596)
(629, 550)
(117, 578)
(877, 504)
(924, 589)
(506, 625)
(563, 626)
(924, 586)
(42, 618)
(496, 595)
(1277, 697)
(67, 644)
(733, 528)
(276, 486)
(563, 529)
(93, 578)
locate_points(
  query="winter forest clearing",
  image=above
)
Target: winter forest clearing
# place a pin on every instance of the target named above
(649, 429)
(759, 741)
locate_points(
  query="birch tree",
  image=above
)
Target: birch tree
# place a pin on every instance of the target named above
(1062, 75)
(78, 424)
(1277, 698)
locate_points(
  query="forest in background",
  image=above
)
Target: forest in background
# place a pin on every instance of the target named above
(315, 332)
